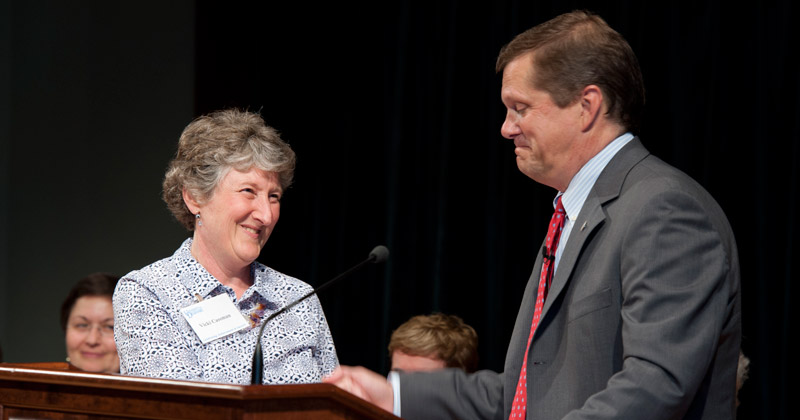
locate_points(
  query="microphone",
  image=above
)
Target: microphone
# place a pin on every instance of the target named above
(545, 255)
(378, 254)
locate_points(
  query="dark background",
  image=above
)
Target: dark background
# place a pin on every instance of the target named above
(394, 112)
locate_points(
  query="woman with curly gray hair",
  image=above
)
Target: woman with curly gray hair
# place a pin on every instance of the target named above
(195, 314)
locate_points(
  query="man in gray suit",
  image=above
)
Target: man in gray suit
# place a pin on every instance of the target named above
(642, 317)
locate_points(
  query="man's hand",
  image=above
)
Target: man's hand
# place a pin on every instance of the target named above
(365, 384)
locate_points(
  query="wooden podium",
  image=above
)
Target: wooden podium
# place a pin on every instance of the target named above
(55, 391)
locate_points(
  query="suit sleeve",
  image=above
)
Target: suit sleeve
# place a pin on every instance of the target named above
(676, 271)
(452, 393)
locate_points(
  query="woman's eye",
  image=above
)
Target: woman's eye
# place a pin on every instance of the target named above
(248, 190)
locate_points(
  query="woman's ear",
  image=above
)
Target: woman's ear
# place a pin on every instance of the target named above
(191, 203)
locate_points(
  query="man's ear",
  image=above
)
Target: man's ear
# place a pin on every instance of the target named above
(592, 106)
(192, 204)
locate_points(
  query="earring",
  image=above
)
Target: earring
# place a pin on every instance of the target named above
(197, 217)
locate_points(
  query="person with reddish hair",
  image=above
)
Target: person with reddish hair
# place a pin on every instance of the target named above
(432, 342)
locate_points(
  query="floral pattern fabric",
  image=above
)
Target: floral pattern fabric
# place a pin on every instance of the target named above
(154, 340)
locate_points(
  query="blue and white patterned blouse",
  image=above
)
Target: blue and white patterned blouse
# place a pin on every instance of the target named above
(154, 340)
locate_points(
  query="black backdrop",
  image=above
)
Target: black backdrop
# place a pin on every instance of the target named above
(394, 112)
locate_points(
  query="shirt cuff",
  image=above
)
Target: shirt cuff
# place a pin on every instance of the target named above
(394, 381)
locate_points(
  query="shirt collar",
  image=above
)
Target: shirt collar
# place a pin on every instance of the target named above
(201, 283)
(193, 275)
(268, 286)
(573, 198)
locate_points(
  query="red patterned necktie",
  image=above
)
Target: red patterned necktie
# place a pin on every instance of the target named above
(519, 407)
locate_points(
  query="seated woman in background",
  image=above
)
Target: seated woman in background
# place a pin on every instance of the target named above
(88, 322)
(195, 315)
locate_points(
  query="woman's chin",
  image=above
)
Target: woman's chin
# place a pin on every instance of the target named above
(95, 366)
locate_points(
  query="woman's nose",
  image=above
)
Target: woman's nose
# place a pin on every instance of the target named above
(265, 213)
(93, 337)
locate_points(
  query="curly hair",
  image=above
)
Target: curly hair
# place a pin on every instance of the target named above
(577, 49)
(445, 337)
(211, 146)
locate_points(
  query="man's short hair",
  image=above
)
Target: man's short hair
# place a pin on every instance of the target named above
(576, 50)
(439, 336)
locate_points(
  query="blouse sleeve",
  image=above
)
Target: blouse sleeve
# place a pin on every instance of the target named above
(325, 351)
(149, 341)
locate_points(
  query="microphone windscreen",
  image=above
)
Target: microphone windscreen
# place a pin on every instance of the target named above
(379, 254)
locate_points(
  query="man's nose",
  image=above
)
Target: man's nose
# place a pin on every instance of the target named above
(510, 128)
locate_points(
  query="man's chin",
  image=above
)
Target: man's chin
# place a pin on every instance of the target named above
(528, 170)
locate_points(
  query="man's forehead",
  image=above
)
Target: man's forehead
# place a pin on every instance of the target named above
(519, 69)
(518, 76)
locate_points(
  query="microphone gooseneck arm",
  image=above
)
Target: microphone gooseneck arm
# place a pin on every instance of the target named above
(379, 254)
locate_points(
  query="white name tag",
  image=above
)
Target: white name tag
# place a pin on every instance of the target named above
(214, 318)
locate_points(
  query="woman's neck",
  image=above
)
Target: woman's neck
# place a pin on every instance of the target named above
(237, 278)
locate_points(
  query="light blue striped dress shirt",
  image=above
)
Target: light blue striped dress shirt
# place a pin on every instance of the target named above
(578, 189)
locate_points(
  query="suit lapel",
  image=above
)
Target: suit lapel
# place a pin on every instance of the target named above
(577, 238)
(522, 327)
(606, 188)
(519, 336)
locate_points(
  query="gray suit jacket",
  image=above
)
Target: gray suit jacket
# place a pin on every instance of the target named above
(642, 320)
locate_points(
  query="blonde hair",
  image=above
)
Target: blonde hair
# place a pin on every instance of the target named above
(440, 336)
(212, 145)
